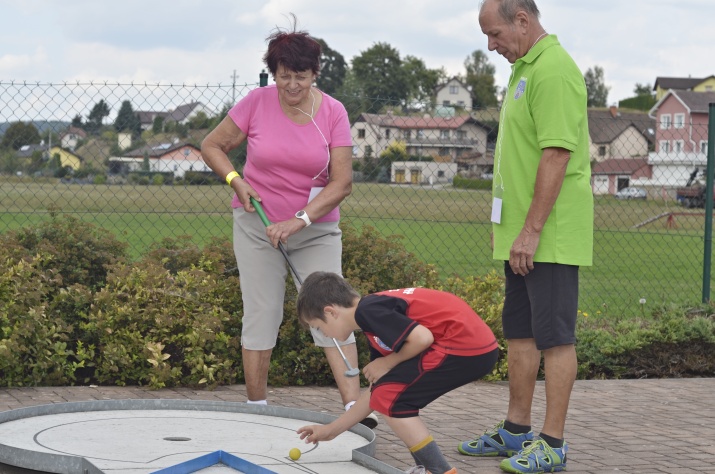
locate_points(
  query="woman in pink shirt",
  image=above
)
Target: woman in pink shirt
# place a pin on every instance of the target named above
(299, 166)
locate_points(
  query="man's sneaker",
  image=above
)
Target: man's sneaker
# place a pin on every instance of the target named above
(370, 421)
(496, 442)
(538, 457)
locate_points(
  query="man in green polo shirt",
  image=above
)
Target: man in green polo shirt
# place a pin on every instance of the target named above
(542, 218)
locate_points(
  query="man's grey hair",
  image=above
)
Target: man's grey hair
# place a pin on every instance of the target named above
(509, 8)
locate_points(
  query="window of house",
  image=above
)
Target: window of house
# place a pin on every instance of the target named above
(368, 150)
(461, 134)
(407, 134)
(678, 120)
(446, 103)
(387, 133)
(664, 146)
(665, 121)
(444, 134)
(420, 133)
(704, 147)
(602, 150)
(361, 133)
(444, 151)
(454, 90)
(460, 103)
(678, 146)
(440, 174)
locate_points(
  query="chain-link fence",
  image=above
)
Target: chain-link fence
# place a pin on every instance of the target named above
(126, 157)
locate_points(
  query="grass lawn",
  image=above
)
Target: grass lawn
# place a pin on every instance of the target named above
(446, 227)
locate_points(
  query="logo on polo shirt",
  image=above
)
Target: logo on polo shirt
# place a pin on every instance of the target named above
(381, 344)
(520, 88)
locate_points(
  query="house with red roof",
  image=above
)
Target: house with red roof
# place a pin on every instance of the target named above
(681, 140)
(444, 139)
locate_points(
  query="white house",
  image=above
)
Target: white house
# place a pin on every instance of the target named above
(422, 172)
(453, 93)
(176, 158)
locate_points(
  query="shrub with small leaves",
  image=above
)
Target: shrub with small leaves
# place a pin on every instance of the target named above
(164, 329)
(81, 252)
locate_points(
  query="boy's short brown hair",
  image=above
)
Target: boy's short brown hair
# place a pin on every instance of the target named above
(323, 289)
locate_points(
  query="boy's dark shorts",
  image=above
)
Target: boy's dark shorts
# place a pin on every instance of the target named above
(541, 305)
(414, 383)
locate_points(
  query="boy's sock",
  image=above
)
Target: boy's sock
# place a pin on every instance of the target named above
(257, 402)
(516, 429)
(551, 441)
(428, 454)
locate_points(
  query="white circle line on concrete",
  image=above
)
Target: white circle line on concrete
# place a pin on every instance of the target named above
(71, 464)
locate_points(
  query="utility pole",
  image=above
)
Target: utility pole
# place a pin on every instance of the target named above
(233, 88)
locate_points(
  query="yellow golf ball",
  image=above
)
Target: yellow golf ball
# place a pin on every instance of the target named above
(294, 454)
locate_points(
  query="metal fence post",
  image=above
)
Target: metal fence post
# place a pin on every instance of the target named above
(709, 205)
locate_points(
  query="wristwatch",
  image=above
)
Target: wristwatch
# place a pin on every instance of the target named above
(304, 217)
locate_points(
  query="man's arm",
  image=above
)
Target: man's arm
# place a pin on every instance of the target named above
(549, 178)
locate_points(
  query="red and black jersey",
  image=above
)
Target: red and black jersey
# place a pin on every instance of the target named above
(388, 317)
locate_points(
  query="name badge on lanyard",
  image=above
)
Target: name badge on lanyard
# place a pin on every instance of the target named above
(496, 204)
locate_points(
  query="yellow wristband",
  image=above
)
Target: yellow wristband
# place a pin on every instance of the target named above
(230, 176)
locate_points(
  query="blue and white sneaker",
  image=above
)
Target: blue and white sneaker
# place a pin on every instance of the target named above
(496, 441)
(538, 457)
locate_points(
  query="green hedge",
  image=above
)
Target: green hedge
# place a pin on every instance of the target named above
(75, 310)
(470, 183)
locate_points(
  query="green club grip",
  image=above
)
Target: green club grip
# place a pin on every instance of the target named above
(261, 213)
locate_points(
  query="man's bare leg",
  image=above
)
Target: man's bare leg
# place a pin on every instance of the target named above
(523, 358)
(560, 368)
(255, 370)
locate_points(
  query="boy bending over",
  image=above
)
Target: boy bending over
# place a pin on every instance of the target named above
(423, 344)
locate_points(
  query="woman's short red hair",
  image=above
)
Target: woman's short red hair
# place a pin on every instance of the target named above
(295, 50)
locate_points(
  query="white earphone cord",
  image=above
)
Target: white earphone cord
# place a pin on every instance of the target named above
(327, 147)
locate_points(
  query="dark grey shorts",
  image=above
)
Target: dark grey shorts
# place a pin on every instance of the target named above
(541, 305)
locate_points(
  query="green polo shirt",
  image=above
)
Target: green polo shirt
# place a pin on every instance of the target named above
(545, 107)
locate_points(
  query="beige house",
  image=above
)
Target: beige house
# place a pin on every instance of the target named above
(618, 135)
(453, 93)
(444, 139)
(664, 84)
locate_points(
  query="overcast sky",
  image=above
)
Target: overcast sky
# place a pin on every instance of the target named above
(203, 42)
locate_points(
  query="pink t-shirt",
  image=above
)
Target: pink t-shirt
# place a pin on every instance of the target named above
(284, 157)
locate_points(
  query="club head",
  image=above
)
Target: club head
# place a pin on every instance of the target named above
(352, 372)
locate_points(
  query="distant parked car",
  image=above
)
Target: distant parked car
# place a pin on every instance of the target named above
(632, 193)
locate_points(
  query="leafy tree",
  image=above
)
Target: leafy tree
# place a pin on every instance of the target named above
(421, 80)
(596, 89)
(127, 120)
(380, 74)
(96, 116)
(158, 125)
(19, 134)
(353, 96)
(77, 121)
(332, 69)
(395, 151)
(643, 89)
(480, 77)
(199, 121)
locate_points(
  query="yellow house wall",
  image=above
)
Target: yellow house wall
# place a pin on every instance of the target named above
(68, 160)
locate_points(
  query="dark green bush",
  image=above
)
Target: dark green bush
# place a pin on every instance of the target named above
(469, 183)
(79, 251)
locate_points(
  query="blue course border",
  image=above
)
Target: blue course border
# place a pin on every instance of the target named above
(211, 459)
